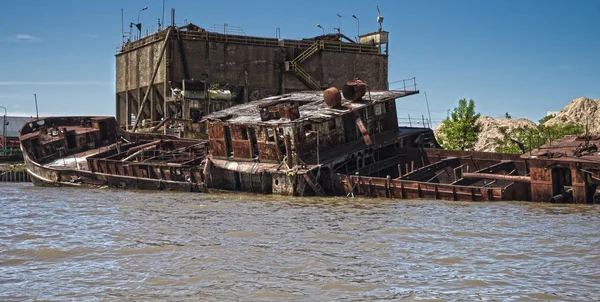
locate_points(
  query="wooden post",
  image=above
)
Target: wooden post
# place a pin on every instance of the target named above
(387, 186)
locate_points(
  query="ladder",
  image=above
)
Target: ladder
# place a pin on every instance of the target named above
(307, 53)
(314, 183)
(300, 72)
(305, 77)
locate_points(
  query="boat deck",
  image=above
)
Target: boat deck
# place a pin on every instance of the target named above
(76, 161)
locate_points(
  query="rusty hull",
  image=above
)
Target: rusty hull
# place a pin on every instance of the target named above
(299, 133)
(93, 151)
(569, 164)
(443, 174)
(295, 144)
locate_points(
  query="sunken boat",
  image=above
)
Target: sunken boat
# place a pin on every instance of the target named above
(310, 143)
(348, 144)
(294, 144)
(94, 151)
(565, 170)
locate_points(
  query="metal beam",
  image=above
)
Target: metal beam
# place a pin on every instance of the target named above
(513, 178)
(145, 99)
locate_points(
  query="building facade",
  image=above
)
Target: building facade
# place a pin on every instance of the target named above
(185, 72)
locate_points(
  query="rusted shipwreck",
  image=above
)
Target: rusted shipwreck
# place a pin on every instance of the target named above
(306, 144)
(566, 170)
(318, 143)
(94, 151)
(294, 144)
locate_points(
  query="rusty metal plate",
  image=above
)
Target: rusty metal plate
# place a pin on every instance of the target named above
(362, 128)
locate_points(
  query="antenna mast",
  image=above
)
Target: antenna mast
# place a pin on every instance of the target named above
(37, 115)
(379, 18)
(162, 22)
(122, 28)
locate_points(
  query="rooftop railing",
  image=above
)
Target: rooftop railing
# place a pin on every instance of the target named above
(218, 36)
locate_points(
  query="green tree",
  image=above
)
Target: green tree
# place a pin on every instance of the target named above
(533, 137)
(460, 131)
(545, 119)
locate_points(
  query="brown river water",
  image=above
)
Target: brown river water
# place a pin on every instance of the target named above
(61, 244)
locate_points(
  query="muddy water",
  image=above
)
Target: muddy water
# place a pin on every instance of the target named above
(71, 244)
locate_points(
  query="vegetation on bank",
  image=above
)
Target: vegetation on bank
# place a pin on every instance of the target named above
(520, 140)
(462, 129)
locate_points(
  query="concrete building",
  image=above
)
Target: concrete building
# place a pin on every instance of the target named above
(186, 72)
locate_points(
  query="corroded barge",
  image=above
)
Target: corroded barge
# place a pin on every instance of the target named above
(566, 170)
(94, 151)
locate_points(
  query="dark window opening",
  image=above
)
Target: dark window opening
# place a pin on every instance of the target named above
(389, 105)
(228, 144)
(561, 181)
(281, 143)
(71, 141)
(196, 115)
(331, 125)
(308, 127)
(244, 133)
(270, 135)
(591, 189)
(253, 142)
(350, 128)
(103, 131)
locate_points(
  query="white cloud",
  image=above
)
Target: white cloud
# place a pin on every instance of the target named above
(21, 38)
(57, 83)
(25, 37)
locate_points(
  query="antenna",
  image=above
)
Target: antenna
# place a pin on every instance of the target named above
(379, 18)
(173, 17)
(162, 20)
(339, 28)
(122, 28)
(428, 112)
(36, 107)
(130, 29)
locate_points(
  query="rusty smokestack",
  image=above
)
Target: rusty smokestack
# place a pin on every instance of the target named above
(354, 90)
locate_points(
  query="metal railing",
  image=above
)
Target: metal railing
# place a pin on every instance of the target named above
(307, 53)
(406, 84)
(300, 72)
(227, 29)
(414, 122)
(218, 36)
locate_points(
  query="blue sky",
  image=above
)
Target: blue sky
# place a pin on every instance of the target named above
(523, 57)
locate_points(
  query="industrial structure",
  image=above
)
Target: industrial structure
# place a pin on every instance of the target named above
(9, 137)
(184, 72)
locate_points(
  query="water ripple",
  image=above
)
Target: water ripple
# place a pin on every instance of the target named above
(70, 244)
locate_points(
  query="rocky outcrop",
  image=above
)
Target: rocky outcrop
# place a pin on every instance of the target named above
(581, 111)
(491, 132)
